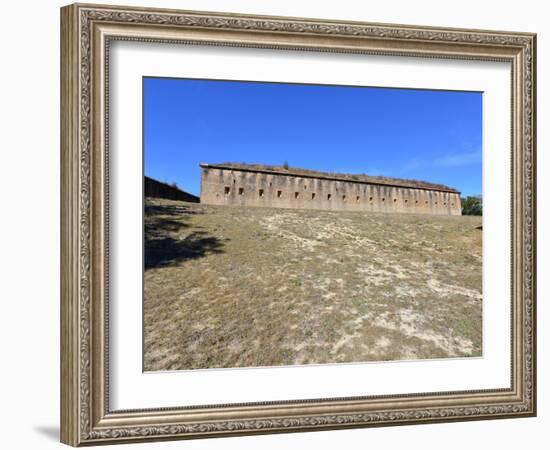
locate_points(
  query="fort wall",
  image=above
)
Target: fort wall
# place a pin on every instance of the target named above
(232, 186)
(156, 189)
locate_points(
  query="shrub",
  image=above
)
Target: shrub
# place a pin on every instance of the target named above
(472, 206)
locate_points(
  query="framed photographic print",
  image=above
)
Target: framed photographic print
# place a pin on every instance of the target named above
(275, 224)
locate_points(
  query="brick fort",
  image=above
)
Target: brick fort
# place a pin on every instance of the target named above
(283, 187)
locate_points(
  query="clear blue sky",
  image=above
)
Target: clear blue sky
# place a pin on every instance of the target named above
(427, 135)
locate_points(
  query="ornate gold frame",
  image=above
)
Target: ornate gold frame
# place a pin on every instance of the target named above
(86, 31)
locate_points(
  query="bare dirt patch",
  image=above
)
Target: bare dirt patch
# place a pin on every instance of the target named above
(245, 287)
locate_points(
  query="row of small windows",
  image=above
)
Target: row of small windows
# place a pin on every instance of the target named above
(261, 192)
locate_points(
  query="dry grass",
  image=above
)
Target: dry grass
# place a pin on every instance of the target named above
(242, 287)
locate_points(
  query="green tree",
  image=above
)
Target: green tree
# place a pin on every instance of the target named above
(472, 205)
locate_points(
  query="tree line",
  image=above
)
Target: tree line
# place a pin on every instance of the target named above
(472, 205)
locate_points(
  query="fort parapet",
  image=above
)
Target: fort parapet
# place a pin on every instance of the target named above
(280, 187)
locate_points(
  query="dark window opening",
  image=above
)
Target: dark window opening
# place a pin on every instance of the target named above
(329, 196)
(312, 195)
(241, 190)
(394, 200)
(226, 190)
(370, 199)
(344, 197)
(406, 201)
(296, 194)
(279, 194)
(383, 199)
(357, 198)
(261, 192)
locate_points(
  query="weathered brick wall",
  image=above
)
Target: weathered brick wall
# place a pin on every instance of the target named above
(248, 188)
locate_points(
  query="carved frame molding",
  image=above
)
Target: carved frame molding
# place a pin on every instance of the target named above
(86, 31)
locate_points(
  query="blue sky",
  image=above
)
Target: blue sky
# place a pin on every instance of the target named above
(426, 135)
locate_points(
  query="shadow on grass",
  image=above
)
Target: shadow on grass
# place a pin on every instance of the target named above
(162, 248)
(159, 227)
(169, 210)
(162, 252)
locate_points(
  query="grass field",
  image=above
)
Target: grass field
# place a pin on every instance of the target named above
(244, 287)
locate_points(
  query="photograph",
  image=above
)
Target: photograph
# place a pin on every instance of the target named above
(292, 220)
(293, 224)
